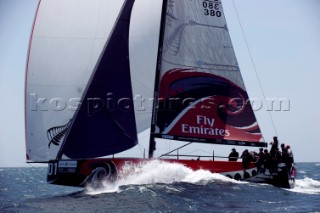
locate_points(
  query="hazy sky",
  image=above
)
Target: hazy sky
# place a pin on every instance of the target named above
(284, 39)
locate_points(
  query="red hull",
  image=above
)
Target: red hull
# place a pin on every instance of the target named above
(76, 173)
(81, 172)
(212, 166)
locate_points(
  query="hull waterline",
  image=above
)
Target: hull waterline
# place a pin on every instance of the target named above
(82, 172)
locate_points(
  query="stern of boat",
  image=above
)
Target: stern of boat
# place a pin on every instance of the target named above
(80, 172)
(83, 172)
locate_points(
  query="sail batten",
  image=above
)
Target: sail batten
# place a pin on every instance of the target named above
(201, 94)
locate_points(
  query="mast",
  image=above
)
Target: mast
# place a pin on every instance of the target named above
(152, 142)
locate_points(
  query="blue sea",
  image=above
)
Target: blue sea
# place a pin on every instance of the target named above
(159, 187)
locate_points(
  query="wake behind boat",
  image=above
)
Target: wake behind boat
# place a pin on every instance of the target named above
(199, 94)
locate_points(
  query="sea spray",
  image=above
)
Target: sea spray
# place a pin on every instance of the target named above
(208, 194)
(307, 186)
(157, 171)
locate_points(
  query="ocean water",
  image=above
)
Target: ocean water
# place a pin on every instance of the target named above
(159, 187)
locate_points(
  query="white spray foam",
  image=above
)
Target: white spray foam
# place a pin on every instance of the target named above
(307, 186)
(167, 173)
(159, 172)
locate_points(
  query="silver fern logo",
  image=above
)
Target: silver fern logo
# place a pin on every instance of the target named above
(56, 134)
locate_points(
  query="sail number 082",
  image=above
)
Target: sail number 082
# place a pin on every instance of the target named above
(211, 9)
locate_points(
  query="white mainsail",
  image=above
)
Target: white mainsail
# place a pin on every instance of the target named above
(201, 94)
(199, 38)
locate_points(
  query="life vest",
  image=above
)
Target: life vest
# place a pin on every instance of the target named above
(289, 153)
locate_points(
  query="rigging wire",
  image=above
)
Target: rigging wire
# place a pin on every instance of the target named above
(175, 149)
(254, 66)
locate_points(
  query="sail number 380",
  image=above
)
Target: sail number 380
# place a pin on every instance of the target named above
(211, 8)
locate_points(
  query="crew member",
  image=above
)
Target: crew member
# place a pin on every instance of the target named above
(234, 155)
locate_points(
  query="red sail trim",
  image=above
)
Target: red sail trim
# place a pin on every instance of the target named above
(220, 110)
(26, 77)
(195, 123)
